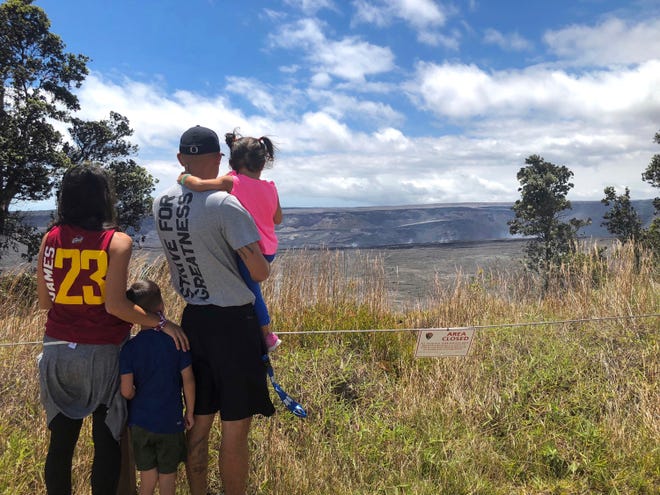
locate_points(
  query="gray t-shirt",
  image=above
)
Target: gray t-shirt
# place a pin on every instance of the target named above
(200, 233)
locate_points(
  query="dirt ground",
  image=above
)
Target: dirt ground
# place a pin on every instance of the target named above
(411, 272)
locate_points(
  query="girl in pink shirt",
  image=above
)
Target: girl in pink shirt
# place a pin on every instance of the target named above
(249, 156)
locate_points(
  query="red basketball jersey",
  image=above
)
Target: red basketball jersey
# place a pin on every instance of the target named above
(75, 264)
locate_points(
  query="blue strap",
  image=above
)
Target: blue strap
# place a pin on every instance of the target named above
(286, 399)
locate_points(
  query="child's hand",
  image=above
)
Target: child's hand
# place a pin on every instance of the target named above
(189, 420)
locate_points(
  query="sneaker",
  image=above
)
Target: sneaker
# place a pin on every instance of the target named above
(272, 341)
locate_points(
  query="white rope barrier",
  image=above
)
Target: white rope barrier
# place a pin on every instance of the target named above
(390, 330)
(476, 327)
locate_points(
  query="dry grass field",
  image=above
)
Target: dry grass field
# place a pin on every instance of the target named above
(544, 408)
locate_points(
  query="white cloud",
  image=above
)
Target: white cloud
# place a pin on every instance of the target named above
(321, 80)
(450, 42)
(311, 6)
(349, 58)
(348, 142)
(304, 34)
(611, 42)
(289, 69)
(463, 91)
(158, 119)
(423, 16)
(392, 175)
(335, 134)
(254, 91)
(507, 42)
(371, 13)
(599, 123)
(344, 106)
(392, 139)
(353, 59)
(274, 15)
(266, 99)
(418, 13)
(318, 148)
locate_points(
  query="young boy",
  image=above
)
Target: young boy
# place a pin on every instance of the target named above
(152, 374)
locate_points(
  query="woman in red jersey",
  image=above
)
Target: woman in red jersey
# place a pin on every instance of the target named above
(82, 274)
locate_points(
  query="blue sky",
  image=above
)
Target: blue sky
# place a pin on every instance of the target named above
(376, 103)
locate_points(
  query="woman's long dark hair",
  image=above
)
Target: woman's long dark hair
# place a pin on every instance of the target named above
(86, 199)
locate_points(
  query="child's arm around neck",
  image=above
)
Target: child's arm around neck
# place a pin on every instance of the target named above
(222, 183)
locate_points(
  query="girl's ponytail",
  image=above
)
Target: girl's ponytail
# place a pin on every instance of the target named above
(230, 138)
(267, 144)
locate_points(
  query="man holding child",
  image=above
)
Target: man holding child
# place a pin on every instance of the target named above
(202, 233)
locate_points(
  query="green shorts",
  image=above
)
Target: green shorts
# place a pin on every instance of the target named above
(163, 451)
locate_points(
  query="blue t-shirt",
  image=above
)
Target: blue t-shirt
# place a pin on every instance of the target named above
(156, 365)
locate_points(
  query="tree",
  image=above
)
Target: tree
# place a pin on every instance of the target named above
(104, 142)
(134, 185)
(622, 219)
(652, 173)
(538, 214)
(652, 176)
(36, 82)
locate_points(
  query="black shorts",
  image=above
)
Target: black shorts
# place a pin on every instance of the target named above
(227, 346)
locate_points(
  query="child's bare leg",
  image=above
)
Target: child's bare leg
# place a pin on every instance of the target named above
(148, 481)
(167, 483)
(266, 330)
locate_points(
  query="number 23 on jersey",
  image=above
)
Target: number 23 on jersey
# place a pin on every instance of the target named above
(83, 281)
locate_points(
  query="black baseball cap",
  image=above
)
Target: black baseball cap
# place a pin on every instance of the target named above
(199, 140)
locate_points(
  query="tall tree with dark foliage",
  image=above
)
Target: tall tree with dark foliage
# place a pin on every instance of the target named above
(539, 214)
(104, 142)
(37, 83)
(37, 77)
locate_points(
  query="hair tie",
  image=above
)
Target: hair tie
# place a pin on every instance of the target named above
(182, 181)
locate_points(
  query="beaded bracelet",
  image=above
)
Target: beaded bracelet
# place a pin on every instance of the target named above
(162, 322)
(183, 178)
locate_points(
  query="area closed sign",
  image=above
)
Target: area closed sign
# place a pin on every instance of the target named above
(444, 342)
